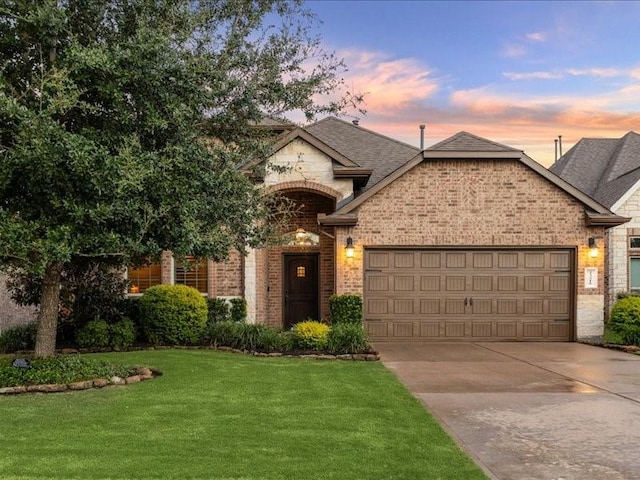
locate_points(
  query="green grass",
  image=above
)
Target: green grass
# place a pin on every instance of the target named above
(215, 415)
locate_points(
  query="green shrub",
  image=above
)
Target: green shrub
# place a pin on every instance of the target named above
(347, 338)
(311, 334)
(238, 309)
(59, 369)
(625, 320)
(631, 293)
(219, 334)
(217, 310)
(345, 309)
(94, 334)
(21, 337)
(173, 315)
(247, 336)
(122, 333)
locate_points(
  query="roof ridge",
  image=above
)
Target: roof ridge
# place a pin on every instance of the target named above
(359, 127)
(462, 133)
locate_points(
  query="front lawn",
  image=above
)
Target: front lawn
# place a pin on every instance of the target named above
(215, 415)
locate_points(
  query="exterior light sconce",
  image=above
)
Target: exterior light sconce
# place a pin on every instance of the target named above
(593, 247)
(350, 249)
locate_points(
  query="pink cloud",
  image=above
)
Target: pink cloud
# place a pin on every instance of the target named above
(533, 76)
(388, 84)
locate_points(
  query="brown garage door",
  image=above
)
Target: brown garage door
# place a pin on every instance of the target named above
(466, 295)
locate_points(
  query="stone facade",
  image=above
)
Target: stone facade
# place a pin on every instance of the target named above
(618, 251)
(476, 203)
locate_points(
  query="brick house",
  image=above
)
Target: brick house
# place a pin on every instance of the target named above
(466, 240)
(608, 170)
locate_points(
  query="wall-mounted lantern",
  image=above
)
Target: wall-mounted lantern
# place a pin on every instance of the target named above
(350, 249)
(593, 247)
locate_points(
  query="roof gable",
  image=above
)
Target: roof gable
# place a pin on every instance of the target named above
(452, 148)
(467, 142)
(370, 150)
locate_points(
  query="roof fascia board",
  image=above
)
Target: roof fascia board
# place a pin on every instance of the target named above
(604, 220)
(470, 155)
(570, 189)
(337, 220)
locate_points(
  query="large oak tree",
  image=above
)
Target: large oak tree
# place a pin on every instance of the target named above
(122, 123)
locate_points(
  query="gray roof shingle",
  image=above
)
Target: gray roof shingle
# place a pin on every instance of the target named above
(368, 149)
(604, 168)
(468, 142)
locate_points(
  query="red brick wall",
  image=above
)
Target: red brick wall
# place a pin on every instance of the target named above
(467, 203)
(227, 278)
(309, 204)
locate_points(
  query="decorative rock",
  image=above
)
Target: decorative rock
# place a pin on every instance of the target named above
(226, 349)
(274, 354)
(344, 356)
(81, 385)
(13, 390)
(359, 356)
(325, 357)
(68, 351)
(155, 371)
(145, 372)
(311, 356)
(117, 380)
(47, 388)
(134, 379)
(100, 382)
(372, 357)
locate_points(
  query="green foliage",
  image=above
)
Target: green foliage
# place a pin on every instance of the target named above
(238, 309)
(173, 315)
(94, 334)
(59, 369)
(217, 310)
(122, 333)
(345, 309)
(311, 334)
(347, 338)
(625, 320)
(123, 123)
(21, 337)
(220, 334)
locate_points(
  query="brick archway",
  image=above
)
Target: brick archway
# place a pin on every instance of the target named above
(307, 186)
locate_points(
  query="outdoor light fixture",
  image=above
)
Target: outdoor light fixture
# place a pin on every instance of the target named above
(350, 248)
(593, 247)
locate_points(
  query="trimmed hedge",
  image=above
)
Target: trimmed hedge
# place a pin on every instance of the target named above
(345, 309)
(218, 310)
(94, 334)
(173, 315)
(625, 320)
(238, 309)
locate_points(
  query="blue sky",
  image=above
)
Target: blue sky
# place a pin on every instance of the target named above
(519, 73)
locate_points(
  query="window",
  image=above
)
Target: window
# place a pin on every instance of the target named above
(144, 277)
(634, 242)
(301, 272)
(634, 273)
(192, 273)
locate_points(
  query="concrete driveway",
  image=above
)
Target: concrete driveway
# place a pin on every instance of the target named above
(531, 410)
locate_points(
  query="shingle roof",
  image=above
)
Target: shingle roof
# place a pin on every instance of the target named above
(368, 149)
(467, 142)
(604, 168)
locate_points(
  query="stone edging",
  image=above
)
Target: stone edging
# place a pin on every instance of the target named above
(140, 374)
(612, 346)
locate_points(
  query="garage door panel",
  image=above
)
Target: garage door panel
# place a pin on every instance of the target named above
(429, 306)
(455, 284)
(429, 329)
(456, 260)
(430, 283)
(464, 295)
(403, 283)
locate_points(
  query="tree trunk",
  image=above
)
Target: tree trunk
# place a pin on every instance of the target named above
(48, 314)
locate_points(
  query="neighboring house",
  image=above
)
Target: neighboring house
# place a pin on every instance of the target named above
(468, 240)
(608, 169)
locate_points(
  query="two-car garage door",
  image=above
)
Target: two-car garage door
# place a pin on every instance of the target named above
(444, 295)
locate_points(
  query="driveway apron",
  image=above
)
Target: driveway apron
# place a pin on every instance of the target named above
(557, 411)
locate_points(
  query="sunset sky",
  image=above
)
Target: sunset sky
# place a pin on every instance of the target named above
(519, 73)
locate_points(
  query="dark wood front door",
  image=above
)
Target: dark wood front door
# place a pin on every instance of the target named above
(300, 288)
